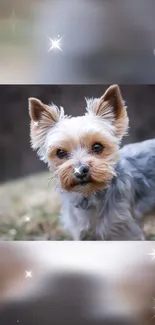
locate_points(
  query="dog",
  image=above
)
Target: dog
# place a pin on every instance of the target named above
(105, 191)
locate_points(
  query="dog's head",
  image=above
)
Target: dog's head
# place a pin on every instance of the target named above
(80, 151)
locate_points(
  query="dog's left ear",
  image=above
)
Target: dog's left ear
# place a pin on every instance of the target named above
(110, 106)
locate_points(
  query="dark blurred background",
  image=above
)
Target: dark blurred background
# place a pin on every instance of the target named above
(104, 41)
(17, 158)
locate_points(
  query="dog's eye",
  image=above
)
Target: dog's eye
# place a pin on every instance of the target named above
(97, 148)
(61, 153)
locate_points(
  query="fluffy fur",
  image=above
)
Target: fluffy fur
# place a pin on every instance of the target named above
(121, 184)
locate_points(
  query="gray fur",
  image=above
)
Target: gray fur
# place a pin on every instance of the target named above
(116, 212)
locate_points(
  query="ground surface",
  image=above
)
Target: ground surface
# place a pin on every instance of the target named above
(29, 210)
(30, 198)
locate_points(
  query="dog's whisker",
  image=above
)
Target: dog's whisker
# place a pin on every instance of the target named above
(50, 180)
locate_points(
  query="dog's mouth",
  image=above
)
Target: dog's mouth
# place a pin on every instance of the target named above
(81, 183)
(85, 182)
(86, 186)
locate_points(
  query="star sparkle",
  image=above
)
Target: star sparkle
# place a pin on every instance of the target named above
(28, 274)
(152, 254)
(55, 44)
(36, 123)
(27, 219)
(76, 170)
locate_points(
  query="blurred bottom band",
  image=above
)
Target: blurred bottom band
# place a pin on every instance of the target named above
(77, 282)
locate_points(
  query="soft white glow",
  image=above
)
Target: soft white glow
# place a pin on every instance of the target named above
(77, 170)
(28, 274)
(55, 44)
(27, 219)
(153, 254)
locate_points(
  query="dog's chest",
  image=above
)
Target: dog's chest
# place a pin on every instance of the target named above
(84, 214)
(81, 216)
(86, 222)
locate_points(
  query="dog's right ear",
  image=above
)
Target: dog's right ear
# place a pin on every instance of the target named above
(43, 117)
(42, 114)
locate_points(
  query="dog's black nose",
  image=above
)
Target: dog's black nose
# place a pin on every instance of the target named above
(81, 171)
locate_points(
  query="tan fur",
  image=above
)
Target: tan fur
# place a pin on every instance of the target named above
(105, 122)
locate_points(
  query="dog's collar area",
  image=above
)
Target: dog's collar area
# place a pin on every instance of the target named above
(83, 203)
(86, 203)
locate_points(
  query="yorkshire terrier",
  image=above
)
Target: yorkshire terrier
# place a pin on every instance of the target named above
(106, 191)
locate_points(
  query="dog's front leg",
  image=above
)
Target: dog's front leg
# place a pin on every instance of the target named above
(127, 230)
(120, 227)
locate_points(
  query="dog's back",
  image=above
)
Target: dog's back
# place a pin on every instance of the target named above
(139, 159)
(133, 149)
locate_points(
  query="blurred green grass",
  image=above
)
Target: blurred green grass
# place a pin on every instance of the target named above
(33, 199)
